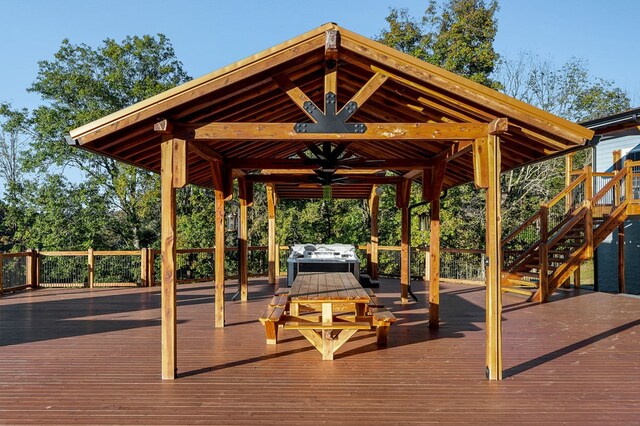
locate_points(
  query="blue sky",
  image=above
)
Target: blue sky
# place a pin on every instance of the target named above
(210, 34)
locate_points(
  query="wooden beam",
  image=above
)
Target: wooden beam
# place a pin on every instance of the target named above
(369, 88)
(480, 161)
(271, 243)
(295, 164)
(498, 126)
(294, 92)
(221, 176)
(243, 244)
(303, 178)
(491, 166)
(332, 43)
(432, 180)
(172, 154)
(219, 260)
(375, 131)
(205, 152)
(374, 208)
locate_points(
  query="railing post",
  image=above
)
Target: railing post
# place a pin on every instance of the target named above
(629, 181)
(151, 280)
(32, 269)
(427, 264)
(588, 219)
(90, 266)
(568, 166)
(144, 267)
(543, 254)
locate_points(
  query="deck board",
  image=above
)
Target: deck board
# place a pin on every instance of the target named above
(93, 356)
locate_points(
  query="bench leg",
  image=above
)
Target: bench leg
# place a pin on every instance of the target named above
(382, 331)
(271, 328)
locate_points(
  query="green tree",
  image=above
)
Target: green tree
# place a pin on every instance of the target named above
(81, 84)
(457, 35)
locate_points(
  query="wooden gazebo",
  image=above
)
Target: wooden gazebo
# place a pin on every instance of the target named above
(330, 108)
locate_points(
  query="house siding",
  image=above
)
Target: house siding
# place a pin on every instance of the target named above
(607, 253)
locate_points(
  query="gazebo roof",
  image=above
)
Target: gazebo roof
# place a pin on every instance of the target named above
(244, 117)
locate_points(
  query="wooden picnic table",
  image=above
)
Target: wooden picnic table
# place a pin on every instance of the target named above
(327, 309)
(334, 295)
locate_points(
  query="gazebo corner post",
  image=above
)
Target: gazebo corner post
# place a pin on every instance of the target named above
(486, 157)
(219, 259)
(403, 193)
(243, 236)
(271, 243)
(173, 175)
(432, 180)
(372, 258)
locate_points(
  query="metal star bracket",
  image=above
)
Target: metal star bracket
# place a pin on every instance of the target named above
(331, 121)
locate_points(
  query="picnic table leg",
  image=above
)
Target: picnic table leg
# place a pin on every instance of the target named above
(327, 338)
(360, 309)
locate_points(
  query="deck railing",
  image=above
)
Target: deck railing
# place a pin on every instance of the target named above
(130, 268)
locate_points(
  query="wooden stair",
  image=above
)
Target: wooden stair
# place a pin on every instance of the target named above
(571, 240)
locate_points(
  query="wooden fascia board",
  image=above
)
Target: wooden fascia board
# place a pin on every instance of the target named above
(504, 104)
(375, 131)
(230, 74)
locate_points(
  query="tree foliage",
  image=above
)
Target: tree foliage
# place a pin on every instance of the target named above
(81, 84)
(457, 35)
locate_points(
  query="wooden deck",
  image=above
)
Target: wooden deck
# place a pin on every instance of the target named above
(80, 356)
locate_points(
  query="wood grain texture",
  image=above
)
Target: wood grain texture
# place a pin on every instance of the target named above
(73, 356)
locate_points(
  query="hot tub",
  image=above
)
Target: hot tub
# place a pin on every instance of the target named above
(322, 258)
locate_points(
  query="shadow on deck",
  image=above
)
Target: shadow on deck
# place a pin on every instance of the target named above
(93, 356)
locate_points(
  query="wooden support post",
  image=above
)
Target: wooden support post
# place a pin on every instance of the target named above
(144, 267)
(1, 272)
(576, 278)
(374, 207)
(434, 262)
(243, 243)
(486, 153)
(368, 253)
(173, 175)
(588, 219)
(543, 255)
(271, 211)
(90, 266)
(219, 259)
(405, 274)
(617, 157)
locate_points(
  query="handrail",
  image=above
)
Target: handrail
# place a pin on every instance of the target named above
(575, 219)
(609, 186)
(520, 228)
(566, 191)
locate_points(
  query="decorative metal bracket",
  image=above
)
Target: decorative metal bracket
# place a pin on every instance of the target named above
(331, 121)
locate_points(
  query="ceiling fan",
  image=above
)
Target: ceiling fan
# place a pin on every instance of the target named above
(329, 158)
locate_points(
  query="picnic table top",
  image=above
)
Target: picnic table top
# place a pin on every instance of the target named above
(327, 287)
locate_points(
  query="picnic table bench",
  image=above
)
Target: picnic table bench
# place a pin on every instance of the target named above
(327, 309)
